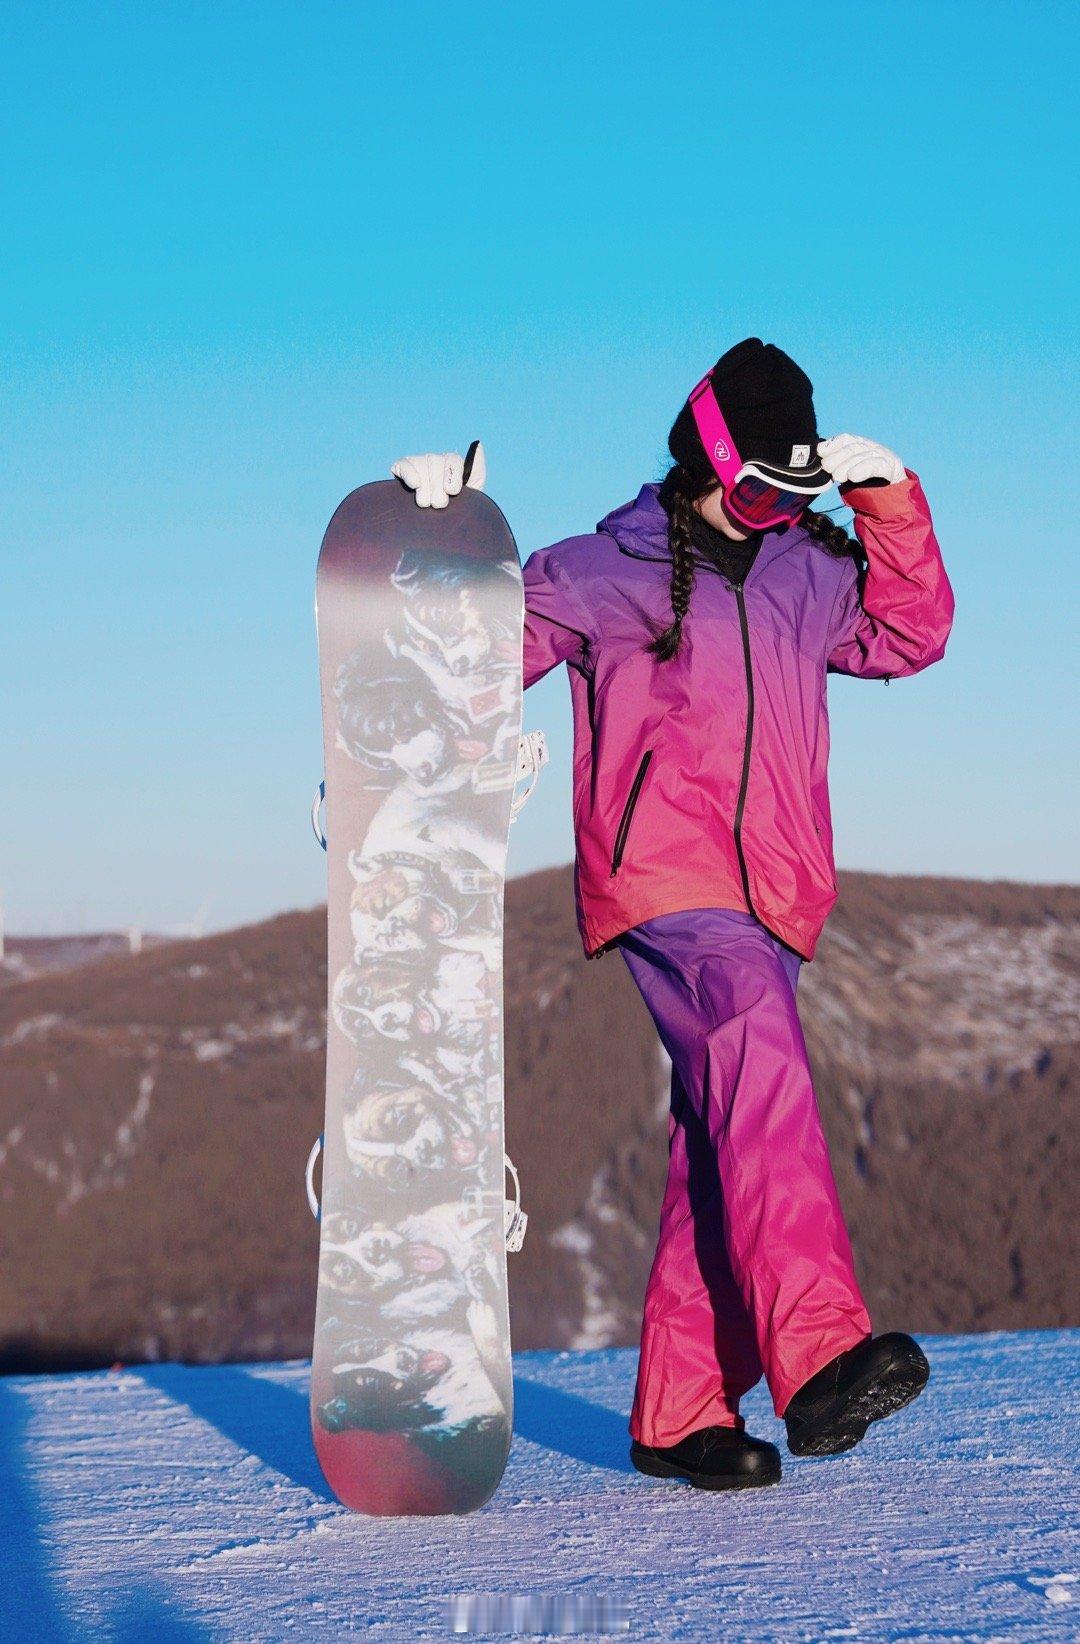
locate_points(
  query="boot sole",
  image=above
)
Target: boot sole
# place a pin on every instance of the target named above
(655, 1468)
(882, 1392)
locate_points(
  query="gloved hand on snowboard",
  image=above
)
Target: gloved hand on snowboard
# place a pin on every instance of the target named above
(438, 476)
(852, 460)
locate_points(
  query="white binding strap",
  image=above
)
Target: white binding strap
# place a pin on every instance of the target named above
(316, 807)
(515, 1221)
(309, 1178)
(532, 757)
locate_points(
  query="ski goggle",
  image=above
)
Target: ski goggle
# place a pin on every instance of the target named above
(752, 495)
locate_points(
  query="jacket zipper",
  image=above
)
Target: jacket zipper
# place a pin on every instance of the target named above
(745, 780)
(628, 812)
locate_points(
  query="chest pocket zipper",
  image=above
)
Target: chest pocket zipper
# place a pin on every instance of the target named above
(628, 812)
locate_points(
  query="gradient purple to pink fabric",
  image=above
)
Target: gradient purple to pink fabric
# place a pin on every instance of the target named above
(753, 1270)
(704, 850)
(596, 601)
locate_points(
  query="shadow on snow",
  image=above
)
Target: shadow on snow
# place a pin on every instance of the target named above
(31, 1600)
(571, 1425)
(261, 1417)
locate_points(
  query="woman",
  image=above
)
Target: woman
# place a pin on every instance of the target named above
(698, 624)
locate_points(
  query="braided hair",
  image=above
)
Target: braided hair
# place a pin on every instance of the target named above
(830, 536)
(679, 491)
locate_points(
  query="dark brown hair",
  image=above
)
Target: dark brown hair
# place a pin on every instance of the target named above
(681, 490)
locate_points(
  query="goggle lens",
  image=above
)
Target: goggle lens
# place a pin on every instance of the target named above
(756, 503)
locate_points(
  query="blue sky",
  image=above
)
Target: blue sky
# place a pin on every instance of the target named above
(253, 254)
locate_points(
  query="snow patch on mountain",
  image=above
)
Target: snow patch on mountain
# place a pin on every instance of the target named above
(603, 1221)
(978, 1000)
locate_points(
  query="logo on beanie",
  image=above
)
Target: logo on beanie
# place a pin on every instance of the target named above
(721, 452)
(800, 456)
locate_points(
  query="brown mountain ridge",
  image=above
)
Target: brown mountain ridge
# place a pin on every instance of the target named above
(156, 1110)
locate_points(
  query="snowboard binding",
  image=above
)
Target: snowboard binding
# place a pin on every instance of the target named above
(532, 756)
(515, 1219)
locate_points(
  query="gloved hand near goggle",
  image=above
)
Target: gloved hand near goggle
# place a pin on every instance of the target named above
(759, 496)
(851, 460)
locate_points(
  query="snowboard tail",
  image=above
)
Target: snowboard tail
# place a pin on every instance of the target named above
(419, 617)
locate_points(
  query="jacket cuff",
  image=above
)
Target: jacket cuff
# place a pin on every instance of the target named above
(884, 501)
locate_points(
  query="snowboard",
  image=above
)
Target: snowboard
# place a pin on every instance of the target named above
(419, 615)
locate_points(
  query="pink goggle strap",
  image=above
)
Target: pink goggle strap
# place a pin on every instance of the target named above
(714, 433)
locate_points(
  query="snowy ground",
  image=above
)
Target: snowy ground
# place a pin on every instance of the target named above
(169, 1503)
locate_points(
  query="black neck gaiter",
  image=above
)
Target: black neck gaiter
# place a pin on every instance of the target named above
(732, 559)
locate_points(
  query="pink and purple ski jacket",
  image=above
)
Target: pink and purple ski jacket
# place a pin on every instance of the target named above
(702, 782)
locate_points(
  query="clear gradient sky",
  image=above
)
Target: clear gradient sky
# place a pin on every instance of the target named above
(253, 253)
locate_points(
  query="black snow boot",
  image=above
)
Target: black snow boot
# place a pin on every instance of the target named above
(832, 1411)
(714, 1458)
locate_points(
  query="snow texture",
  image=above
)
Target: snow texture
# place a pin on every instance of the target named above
(168, 1503)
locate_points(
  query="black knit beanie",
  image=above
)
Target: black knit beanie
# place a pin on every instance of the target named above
(768, 405)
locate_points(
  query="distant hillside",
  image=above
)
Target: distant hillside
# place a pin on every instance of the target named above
(28, 956)
(156, 1110)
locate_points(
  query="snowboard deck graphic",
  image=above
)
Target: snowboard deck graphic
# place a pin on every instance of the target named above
(419, 614)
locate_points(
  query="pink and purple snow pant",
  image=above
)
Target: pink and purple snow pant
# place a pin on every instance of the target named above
(753, 1270)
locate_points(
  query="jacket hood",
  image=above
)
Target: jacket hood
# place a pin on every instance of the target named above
(641, 525)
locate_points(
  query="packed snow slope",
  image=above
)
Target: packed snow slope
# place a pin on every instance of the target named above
(174, 1503)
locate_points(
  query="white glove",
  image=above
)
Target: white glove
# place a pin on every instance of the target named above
(438, 476)
(852, 460)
